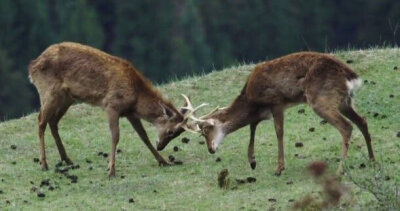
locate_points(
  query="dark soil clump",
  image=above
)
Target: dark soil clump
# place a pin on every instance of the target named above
(13, 147)
(251, 179)
(185, 140)
(218, 159)
(298, 144)
(176, 148)
(171, 158)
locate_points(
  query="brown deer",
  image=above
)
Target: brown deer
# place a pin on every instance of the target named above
(320, 80)
(69, 72)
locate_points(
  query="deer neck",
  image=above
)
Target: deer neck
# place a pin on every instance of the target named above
(239, 114)
(148, 107)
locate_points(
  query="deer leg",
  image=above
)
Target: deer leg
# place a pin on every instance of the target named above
(53, 123)
(278, 116)
(113, 119)
(250, 151)
(348, 111)
(340, 123)
(42, 122)
(137, 125)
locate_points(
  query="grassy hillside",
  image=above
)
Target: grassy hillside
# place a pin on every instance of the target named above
(194, 185)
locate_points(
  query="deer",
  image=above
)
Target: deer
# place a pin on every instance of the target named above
(68, 72)
(317, 79)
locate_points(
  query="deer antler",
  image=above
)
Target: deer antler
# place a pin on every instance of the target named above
(189, 107)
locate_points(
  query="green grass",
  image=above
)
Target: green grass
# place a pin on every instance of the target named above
(194, 185)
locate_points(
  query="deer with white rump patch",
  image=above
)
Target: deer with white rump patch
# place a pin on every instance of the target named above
(69, 72)
(320, 80)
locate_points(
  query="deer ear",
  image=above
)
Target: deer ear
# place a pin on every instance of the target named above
(167, 111)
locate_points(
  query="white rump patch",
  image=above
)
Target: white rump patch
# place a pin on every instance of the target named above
(353, 84)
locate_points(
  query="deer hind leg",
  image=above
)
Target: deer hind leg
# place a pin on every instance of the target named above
(348, 111)
(277, 113)
(47, 111)
(113, 120)
(250, 151)
(53, 123)
(137, 125)
(330, 112)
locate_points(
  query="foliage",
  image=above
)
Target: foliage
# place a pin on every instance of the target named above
(173, 39)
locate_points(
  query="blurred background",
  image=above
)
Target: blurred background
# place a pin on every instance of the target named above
(171, 39)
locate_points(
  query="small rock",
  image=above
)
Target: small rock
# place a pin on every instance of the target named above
(222, 178)
(45, 182)
(218, 159)
(36, 160)
(185, 140)
(251, 179)
(323, 122)
(240, 181)
(178, 162)
(201, 142)
(311, 129)
(301, 111)
(13, 147)
(391, 96)
(59, 164)
(40, 194)
(272, 200)
(176, 148)
(131, 200)
(171, 158)
(73, 178)
(349, 61)
(362, 165)
(298, 144)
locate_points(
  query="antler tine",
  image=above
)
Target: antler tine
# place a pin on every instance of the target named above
(213, 111)
(196, 119)
(189, 104)
(196, 131)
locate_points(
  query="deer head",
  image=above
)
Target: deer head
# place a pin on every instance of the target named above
(172, 124)
(210, 128)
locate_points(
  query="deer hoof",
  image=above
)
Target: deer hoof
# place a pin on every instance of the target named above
(163, 163)
(111, 174)
(45, 167)
(68, 161)
(253, 164)
(279, 170)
